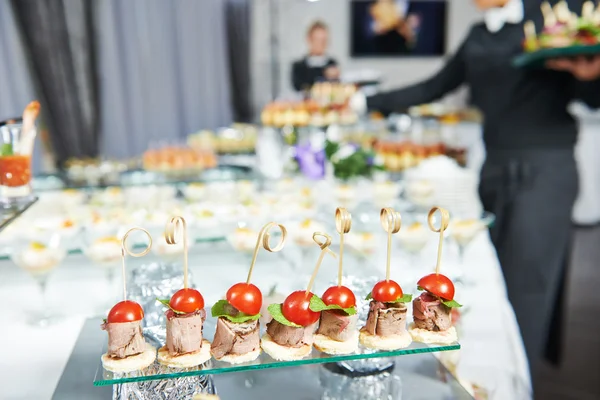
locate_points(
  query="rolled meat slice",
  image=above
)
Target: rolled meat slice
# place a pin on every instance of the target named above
(431, 314)
(235, 338)
(184, 332)
(386, 319)
(290, 336)
(124, 338)
(337, 325)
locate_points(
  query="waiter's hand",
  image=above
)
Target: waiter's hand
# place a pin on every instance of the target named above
(332, 73)
(582, 68)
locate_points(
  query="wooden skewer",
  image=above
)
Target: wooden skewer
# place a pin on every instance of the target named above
(264, 238)
(391, 223)
(443, 226)
(343, 223)
(126, 251)
(171, 238)
(324, 245)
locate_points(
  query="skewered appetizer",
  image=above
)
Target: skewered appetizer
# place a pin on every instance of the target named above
(385, 328)
(432, 309)
(290, 333)
(237, 338)
(185, 315)
(337, 333)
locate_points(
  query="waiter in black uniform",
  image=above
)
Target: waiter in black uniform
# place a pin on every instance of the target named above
(317, 65)
(529, 178)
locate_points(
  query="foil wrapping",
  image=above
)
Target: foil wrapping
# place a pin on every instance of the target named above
(150, 282)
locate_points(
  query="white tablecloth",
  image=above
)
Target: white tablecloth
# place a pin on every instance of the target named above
(33, 358)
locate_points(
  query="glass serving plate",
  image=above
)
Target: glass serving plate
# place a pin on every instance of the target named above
(264, 361)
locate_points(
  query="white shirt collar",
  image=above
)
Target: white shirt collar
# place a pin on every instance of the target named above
(511, 13)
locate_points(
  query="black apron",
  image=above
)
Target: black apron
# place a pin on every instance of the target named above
(532, 193)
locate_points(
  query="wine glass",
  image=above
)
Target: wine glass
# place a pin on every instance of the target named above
(413, 240)
(39, 258)
(103, 248)
(463, 230)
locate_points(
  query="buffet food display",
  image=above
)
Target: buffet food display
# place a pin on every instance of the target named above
(178, 160)
(237, 139)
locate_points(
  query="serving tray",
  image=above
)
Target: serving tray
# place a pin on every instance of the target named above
(536, 59)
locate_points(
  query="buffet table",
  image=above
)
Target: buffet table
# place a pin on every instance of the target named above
(492, 354)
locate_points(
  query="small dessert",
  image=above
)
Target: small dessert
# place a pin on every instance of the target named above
(127, 348)
(304, 231)
(162, 248)
(105, 250)
(243, 239)
(195, 191)
(38, 258)
(362, 242)
(414, 238)
(464, 231)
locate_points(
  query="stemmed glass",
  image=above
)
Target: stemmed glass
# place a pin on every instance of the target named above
(103, 248)
(39, 258)
(413, 240)
(464, 230)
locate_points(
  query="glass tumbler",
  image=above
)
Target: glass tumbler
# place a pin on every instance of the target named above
(16, 148)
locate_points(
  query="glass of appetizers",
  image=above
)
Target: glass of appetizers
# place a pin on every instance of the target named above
(40, 258)
(463, 230)
(413, 238)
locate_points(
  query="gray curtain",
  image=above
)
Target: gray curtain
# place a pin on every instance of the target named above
(164, 71)
(59, 40)
(238, 44)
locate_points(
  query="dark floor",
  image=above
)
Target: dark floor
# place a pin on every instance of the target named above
(578, 378)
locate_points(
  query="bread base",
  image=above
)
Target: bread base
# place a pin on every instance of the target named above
(185, 360)
(390, 343)
(240, 358)
(430, 337)
(329, 346)
(131, 363)
(283, 353)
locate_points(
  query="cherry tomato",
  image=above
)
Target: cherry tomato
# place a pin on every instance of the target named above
(245, 297)
(187, 301)
(438, 285)
(386, 291)
(296, 308)
(339, 295)
(125, 311)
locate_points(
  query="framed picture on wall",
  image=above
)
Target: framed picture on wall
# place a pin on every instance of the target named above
(398, 28)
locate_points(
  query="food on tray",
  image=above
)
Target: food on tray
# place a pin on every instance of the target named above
(432, 322)
(290, 333)
(162, 248)
(127, 348)
(237, 338)
(185, 315)
(239, 138)
(563, 28)
(337, 332)
(362, 242)
(37, 258)
(385, 328)
(386, 192)
(178, 160)
(105, 250)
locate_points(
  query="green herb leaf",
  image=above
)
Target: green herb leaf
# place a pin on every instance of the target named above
(166, 304)
(222, 308)
(420, 288)
(451, 304)
(369, 296)
(407, 298)
(104, 320)
(277, 314)
(317, 305)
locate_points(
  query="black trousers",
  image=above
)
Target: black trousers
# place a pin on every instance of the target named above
(532, 194)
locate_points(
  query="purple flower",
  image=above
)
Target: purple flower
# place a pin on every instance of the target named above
(311, 161)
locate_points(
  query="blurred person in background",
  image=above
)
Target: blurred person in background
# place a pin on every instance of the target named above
(529, 178)
(317, 65)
